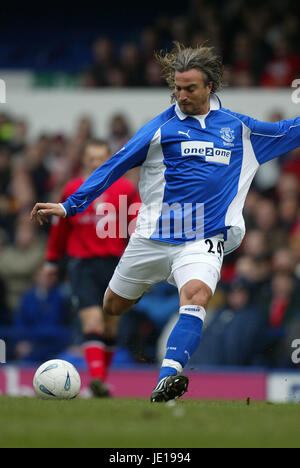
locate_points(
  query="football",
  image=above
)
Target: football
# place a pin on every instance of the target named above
(56, 380)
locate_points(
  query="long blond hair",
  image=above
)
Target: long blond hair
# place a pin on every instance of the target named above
(182, 59)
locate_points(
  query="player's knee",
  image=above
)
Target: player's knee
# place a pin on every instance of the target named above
(195, 292)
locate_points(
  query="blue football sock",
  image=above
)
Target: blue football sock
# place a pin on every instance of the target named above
(183, 341)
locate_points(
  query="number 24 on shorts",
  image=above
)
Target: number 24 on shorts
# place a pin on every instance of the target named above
(211, 247)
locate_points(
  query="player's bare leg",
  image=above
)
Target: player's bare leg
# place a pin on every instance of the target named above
(115, 305)
(97, 348)
(183, 341)
(100, 327)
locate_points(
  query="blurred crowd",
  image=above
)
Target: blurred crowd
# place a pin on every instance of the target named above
(93, 46)
(258, 40)
(254, 315)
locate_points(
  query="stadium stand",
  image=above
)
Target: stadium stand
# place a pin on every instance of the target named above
(256, 39)
(94, 47)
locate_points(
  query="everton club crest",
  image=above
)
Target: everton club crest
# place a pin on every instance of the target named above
(228, 136)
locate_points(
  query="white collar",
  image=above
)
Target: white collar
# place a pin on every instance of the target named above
(215, 104)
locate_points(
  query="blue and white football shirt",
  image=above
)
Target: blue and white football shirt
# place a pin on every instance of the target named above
(195, 172)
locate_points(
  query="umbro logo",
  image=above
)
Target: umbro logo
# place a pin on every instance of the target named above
(187, 134)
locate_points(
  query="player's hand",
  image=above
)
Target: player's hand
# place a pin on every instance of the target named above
(41, 211)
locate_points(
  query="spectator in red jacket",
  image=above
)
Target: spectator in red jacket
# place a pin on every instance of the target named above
(94, 241)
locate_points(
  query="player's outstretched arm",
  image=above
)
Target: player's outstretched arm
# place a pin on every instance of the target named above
(41, 211)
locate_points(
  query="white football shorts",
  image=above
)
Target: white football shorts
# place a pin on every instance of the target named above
(146, 262)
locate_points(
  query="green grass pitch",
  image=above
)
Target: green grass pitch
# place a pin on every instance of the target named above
(130, 423)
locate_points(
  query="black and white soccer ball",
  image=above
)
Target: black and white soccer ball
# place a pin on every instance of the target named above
(57, 380)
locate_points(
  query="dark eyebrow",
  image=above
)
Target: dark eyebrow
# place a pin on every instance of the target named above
(186, 87)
